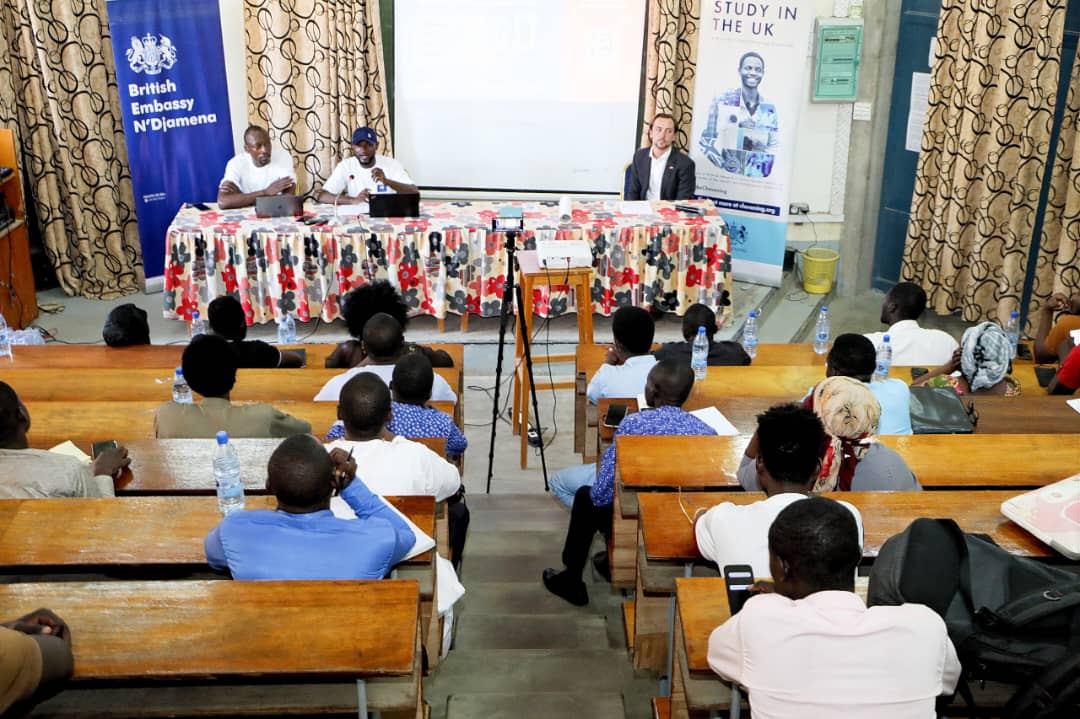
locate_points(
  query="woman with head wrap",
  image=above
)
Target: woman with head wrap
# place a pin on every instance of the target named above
(984, 360)
(850, 459)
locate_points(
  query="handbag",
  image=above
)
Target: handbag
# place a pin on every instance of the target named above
(939, 410)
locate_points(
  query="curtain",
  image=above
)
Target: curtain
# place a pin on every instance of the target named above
(315, 73)
(1057, 267)
(670, 60)
(58, 92)
(984, 149)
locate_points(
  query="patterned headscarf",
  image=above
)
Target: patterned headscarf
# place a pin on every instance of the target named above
(985, 352)
(850, 413)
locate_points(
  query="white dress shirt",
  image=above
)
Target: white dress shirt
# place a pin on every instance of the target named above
(39, 474)
(828, 656)
(624, 380)
(656, 174)
(739, 534)
(440, 391)
(913, 346)
(401, 468)
(361, 176)
(245, 174)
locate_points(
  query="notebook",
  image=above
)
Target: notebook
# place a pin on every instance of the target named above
(1051, 513)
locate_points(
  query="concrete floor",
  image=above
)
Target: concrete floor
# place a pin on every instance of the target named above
(519, 651)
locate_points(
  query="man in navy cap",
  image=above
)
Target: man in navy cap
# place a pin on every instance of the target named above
(365, 173)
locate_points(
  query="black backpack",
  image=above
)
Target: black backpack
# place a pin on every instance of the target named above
(1011, 619)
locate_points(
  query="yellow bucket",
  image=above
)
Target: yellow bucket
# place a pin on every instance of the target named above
(819, 266)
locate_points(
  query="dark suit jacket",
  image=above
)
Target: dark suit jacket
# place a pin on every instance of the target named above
(678, 182)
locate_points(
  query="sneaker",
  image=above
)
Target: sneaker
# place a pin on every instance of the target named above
(601, 565)
(562, 584)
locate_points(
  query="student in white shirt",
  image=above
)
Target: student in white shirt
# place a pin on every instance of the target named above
(383, 344)
(911, 344)
(258, 171)
(365, 173)
(813, 650)
(789, 441)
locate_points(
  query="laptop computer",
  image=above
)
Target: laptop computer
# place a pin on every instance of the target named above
(279, 206)
(397, 204)
(1051, 513)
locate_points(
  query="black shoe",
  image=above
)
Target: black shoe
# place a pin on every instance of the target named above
(562, 584)
(602, 566)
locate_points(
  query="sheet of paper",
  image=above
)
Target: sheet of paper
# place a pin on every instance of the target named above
(635, 207)
(352, 210)
(423, 542)
(715, 419)
(920, 96)
(1074, 403)
(71, 450)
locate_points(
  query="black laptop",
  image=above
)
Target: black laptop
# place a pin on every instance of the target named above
(399, 204)
(279, 206)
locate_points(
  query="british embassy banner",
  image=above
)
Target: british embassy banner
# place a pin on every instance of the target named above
(751, 80)
(170, 72)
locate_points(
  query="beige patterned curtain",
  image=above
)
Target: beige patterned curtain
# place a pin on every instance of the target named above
(1057, 267)
(984, 150)
(670, 62)
(58, 92)
(315, 73)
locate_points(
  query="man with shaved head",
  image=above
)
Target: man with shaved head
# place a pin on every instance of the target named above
(303, 539)
(666, 390)
(258, 171)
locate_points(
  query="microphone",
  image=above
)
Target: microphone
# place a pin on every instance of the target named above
(337, 219)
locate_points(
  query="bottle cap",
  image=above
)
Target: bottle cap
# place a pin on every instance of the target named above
(701, 329)
(824, 308)
(222, 437)
(1014, 313)
(753, 313)
(180, 371)
(886, 338)
(195, 315)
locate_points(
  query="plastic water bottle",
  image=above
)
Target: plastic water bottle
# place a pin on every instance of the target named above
(821, 332)
(5, 339)
(749, 335)
(198, 325)
(286, 330)
(230, 487)
(1012, 330)
(181, 392)
(884, 360)
(699, 355)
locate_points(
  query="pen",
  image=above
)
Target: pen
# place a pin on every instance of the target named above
(345, 473)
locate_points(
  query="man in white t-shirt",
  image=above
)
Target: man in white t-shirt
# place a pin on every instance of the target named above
(813, 650)
(911, 344)
(258, 171)
(789, 440)
(364, 174)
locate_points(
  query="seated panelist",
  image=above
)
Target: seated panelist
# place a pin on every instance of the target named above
(365, 173)
(255, 172)
(660, 172)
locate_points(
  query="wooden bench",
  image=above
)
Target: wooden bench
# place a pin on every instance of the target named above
(667, 547)
(157, 634)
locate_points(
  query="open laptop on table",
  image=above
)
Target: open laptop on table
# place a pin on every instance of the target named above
(279, 206)
(398, 204)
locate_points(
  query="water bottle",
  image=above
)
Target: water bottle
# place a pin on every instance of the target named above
(749, 335)
(286, 331)
(230, 487)
(821, 332)
(1012, 330)
(198, 325)
(884, 360)
(181, 392)
(699, 355)
(5, 339)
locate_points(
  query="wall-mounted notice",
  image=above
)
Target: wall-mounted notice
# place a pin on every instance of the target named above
(920, 96)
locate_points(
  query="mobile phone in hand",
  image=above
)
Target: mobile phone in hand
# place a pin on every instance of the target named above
(739, 579)
(917, 372)
(614, 415)
(98, 447)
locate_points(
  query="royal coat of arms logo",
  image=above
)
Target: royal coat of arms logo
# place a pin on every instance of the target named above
(151, 54)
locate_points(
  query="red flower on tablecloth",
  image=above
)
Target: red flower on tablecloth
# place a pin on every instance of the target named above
(693, 276)
(493, 242)
(228, 273)
(472, 303)
(174, 273)
(286, 280)
(408, 275)
(541, 302)
(427, 305)
(599, 221)
(229, 228)
(249, 311)
(303, 311)
(209, 219)
(487, 215)
(187, 306)
(579, 215)
(608, 300)
(628, 276)
(714, 255)
(670, 214)
(392, 247)
(494, 285)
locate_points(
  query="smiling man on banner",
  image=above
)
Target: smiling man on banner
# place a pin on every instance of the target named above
(256, 172)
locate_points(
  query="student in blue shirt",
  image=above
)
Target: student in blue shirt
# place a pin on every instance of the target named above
(854, 356)
(303, 539)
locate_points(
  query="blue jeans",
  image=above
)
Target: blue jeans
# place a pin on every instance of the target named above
(565, 483)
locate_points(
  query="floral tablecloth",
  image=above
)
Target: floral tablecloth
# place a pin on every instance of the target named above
(447, 261)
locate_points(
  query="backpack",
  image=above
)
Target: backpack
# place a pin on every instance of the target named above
(1011, 619)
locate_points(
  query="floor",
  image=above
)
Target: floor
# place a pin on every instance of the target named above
(520, 652)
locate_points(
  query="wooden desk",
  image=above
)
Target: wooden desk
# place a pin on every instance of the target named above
(185, 466)
(142, 633)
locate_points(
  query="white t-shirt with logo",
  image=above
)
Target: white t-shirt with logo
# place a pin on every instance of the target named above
(361, 176)
(242, 171)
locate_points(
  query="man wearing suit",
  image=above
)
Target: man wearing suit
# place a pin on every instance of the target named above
(660, 172)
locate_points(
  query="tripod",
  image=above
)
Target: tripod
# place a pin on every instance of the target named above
(512, 289)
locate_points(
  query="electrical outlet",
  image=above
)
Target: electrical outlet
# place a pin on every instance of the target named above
(799, 208)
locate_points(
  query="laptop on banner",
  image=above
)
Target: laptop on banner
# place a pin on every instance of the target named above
(279, 206)
(395, 204)
(1051, 513)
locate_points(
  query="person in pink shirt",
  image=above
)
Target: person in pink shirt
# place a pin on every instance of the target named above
(813, 650)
